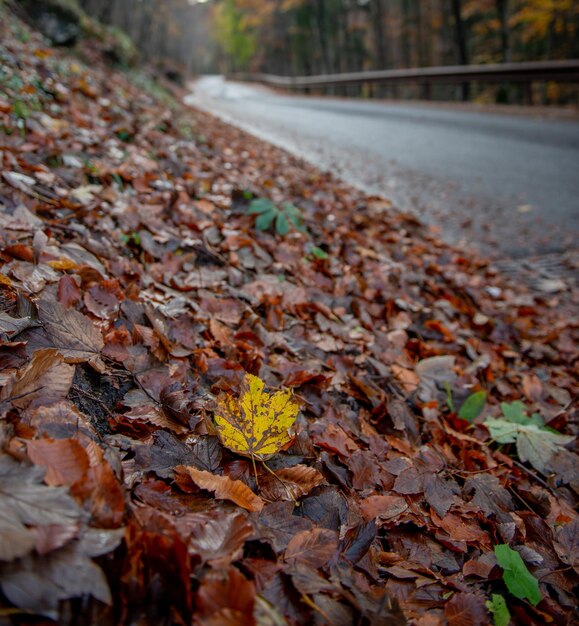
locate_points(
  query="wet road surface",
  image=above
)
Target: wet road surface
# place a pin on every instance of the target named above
(503, 184)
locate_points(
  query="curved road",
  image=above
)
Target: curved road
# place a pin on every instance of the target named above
(505, 184)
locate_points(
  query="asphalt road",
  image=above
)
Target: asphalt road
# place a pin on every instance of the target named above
(507, 185)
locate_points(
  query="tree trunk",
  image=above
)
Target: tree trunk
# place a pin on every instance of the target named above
(461, 43)
(503, 13)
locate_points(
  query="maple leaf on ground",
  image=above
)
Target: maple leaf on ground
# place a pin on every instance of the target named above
(257, 424)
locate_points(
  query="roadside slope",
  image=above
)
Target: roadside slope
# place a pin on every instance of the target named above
(135, 288)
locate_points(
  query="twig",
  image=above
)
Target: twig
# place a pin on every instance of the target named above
(282, 481)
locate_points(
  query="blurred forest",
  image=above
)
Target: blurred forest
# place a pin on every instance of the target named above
(304, 37)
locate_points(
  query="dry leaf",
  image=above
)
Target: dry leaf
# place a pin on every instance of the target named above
(71, 333)
(66, 460)
(222, 486)
(44, 381)
(312, 547)
(257, 424)
(383, 507)
(292, 482)
(24, 503)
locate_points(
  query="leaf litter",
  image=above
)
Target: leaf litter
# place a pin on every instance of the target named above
(142, 313)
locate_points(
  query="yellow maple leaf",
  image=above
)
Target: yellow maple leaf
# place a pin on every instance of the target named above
(258, 424)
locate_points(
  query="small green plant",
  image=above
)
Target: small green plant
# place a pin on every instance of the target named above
(20, 110)
(118, 180)
(473, 406)
(281, 219)
(498, 607)
(318, 253)
(134, 238)
(519, 581)
(535, 442)
(124, 135)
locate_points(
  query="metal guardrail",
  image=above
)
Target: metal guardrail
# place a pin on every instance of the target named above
(561, 71)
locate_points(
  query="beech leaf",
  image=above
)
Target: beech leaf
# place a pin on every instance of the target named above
(223, 487)
(291, 483)
(71, 333)
(44, 381)
(24, 503)
(312, 547)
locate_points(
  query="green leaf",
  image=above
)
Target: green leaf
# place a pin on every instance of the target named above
(535, 444)
(20, 110)
(261, 205)
(539, 445)
(292, 209)
(282, 226)
(502, 431)
(318, 253)
(294, 215)
(498, 607)
(519, 581)
(473, 406)
(265, 220)
(516, 412)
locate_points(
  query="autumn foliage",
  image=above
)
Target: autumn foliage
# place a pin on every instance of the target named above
(202, 422)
